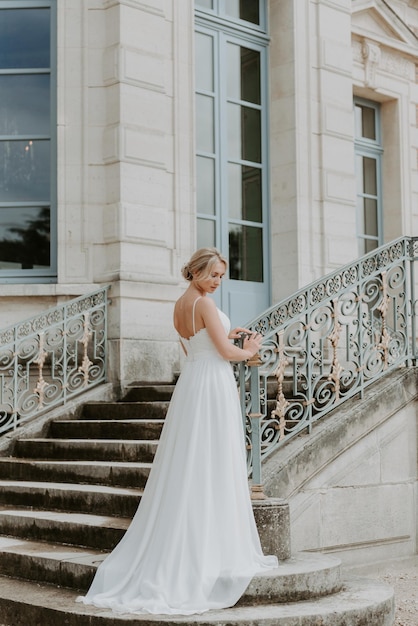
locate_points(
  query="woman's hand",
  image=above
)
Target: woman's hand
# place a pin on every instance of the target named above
(252, 342)
(236, 333)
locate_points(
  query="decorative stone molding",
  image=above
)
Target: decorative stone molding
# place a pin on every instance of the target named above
(371, 56)
(374, 57)
(356, 46)
(155, 7)
(398, 65)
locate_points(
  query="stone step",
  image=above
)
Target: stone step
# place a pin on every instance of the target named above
(103, 500)
(116, 474)
(362, 602)
(63, 565)
(159, 392)
(87, 449)
(99, 532)
(124, 410)
(106, 429)
(72, 566)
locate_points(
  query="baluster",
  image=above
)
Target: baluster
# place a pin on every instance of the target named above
(257, 492)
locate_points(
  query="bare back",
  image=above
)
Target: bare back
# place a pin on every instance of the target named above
(187, 320)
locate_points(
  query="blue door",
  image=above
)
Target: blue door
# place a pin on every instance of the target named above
(231, 154)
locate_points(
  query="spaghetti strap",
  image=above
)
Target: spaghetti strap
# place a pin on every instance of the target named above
(194, 305)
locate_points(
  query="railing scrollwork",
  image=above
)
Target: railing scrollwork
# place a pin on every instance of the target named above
(51, 357)
(328, 342)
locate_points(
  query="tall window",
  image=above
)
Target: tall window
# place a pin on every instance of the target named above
(27, 141)
(368, 151)
(231, 95)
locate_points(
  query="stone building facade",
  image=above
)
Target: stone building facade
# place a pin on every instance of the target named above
(282, 131)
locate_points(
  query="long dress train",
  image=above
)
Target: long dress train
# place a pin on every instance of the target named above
(193, 544)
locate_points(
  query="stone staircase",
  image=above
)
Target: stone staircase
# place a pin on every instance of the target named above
(67, 499)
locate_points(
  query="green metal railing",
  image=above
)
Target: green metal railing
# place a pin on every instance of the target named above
(327, 343)
(52, 357)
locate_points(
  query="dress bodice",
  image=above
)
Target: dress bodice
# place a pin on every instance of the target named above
(200, 345)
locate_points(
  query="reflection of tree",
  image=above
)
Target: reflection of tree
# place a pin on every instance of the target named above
(235, 254)
(33, 248)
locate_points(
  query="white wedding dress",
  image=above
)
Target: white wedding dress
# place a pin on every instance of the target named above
(193, 543)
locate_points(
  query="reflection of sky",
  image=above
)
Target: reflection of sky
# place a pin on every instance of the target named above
(24, 104)
(24, 38)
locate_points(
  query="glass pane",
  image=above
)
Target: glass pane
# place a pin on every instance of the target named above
(248, 10)
(368, 124)
(359, 174)
(24, 171)
(370, 217)
(360, 216)
(205, 233)
(245, 253)
(24, 238)
(244, 133)
(205, 4)
(204, 62)
(244, 74)
(357, 120)
(369, 245)
(244, 193)
(24, 104)
(369, 176)
(24, 38)
(205, 175)
(204, 124)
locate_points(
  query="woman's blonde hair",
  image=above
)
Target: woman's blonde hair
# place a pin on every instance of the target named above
(203, 259)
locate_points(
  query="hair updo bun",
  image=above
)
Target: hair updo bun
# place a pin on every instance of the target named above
(201, 262)
(186, 273)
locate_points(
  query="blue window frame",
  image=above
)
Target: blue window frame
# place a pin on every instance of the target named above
(368, 155)
(28, 141)
(231, 133)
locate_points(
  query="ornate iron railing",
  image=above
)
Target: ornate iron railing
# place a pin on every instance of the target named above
(51, 357)
(326, 344)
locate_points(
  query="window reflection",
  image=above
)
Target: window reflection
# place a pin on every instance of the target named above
(205, 4)
(244, 193)
(248, 10)
(244, 74)
(24, 171)
(204, 123)
(370, 216)
(204, 59)
(205, 233)
(24, 104)
(245, 253)
(24, 38)
(25, 137)
(24, 238)
(205, 185)
(369, 176)
(365, 120)
(244, 133)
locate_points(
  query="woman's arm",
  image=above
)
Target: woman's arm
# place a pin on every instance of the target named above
(206, 310)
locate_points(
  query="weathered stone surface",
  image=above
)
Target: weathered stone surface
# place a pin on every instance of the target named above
(350, 484)
(361, 603)
(273, 523)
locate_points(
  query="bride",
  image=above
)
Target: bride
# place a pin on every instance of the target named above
(193, 543)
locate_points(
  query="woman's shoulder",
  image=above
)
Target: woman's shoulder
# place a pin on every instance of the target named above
(205, 304)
